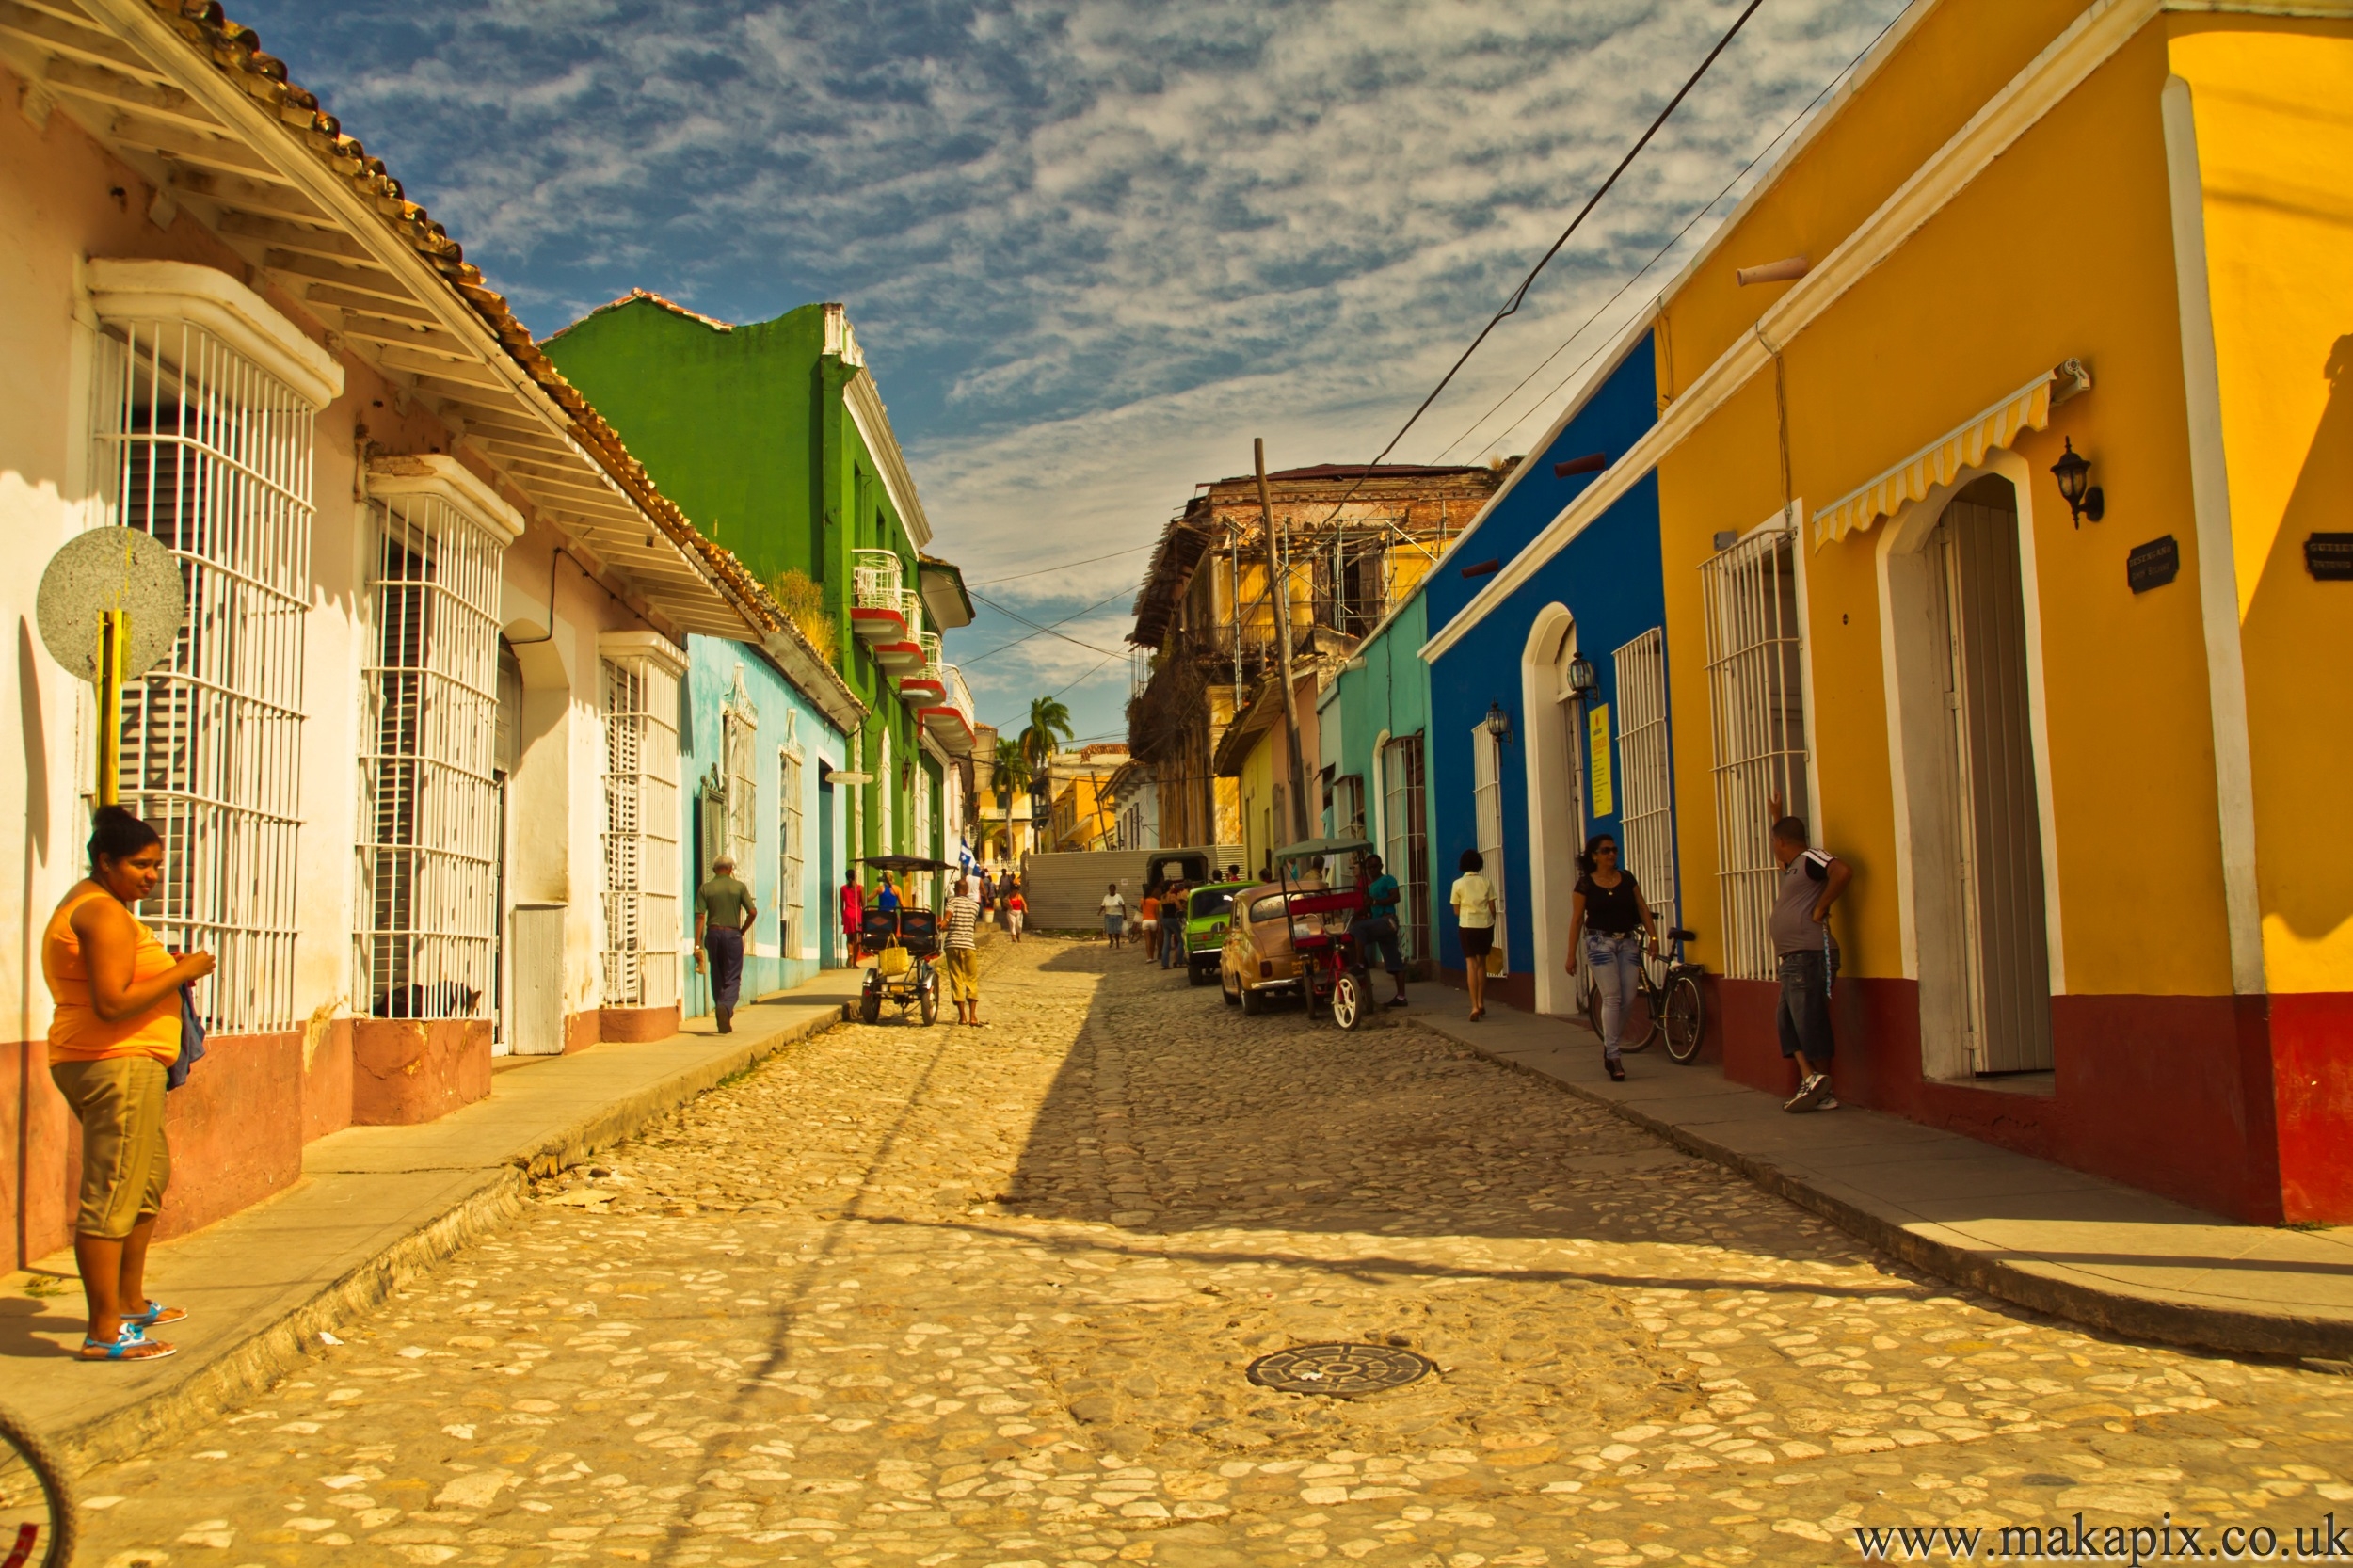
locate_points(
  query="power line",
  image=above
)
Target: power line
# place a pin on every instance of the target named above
(1519, 295)
(1042, 631)
(1015, 577)
(1792, 124)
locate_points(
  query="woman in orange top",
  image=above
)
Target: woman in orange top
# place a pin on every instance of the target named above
(116, 1030)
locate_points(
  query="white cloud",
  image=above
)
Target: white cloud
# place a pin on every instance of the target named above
(1092, 245)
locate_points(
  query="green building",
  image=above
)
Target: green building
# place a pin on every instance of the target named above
(773, 438)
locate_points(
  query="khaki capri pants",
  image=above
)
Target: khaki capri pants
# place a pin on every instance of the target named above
(126, 1164)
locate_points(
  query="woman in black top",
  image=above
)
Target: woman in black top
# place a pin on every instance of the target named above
(1611, 913)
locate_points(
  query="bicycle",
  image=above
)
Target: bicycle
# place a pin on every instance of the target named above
(1670, 997)
(37, 1525)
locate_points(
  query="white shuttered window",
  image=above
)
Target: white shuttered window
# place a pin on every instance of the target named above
(211, 454)
(1755, 690)
(1645, 797)
(428, 834)
(642, 922)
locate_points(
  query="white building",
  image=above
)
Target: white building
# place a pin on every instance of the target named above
(420, 569)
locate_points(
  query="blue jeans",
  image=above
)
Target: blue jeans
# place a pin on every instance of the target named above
(1616, 963)
(1802, 1014)
(1375, 935)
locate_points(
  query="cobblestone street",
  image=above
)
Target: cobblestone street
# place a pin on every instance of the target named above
(985, 1297)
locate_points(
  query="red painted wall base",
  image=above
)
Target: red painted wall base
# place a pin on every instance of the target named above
(407, 1070)
(632, 1024)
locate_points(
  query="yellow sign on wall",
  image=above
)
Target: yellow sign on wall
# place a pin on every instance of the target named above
(1598, 729)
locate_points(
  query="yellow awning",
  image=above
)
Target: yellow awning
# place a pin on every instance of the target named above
(1942, 459)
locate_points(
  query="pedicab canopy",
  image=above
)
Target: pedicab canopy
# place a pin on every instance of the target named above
(905, 863)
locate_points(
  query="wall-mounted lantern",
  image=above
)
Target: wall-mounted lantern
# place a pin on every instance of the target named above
(1499, 723)
(2083, 498)
(1581, 678)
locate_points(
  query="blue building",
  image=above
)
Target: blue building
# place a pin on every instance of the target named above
(1548, 699)
(759, 750)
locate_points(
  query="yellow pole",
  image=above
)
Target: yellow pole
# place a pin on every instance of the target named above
(114, 640)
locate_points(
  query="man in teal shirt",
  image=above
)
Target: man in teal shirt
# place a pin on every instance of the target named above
(1376, 930)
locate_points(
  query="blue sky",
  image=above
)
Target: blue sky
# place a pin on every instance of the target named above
(1091, 246)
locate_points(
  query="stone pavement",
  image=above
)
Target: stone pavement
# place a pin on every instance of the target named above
(2038, 1234)
(958, 1298)
(374, 1204)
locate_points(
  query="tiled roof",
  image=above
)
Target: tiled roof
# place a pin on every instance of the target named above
(648, 294)
(236, 50)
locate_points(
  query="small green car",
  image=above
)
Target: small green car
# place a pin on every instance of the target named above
(1208, 912)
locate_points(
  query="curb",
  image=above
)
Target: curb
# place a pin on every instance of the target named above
(247, 1371)
(2269, 1334)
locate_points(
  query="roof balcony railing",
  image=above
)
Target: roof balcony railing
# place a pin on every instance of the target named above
(876, 577)
(959, 695)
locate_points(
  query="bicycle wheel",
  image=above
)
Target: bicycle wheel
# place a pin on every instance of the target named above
(1628, 1039)
(37, 1520)
(1687, 1016)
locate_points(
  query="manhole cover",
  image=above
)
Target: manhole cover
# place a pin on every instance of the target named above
(1344, 1371)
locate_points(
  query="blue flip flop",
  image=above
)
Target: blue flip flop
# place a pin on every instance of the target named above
(156, 1313)
(130, 1344)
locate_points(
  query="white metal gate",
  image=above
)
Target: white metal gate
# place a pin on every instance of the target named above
(792, 935)
(210, 454)
(1756, 698)
(427, 838)
(1645, 781)
(1405, 827)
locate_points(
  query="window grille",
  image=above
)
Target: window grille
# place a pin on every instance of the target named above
(885, 787)
(427, 838)
(1645, 795)
(1756, 701)
(922, 844)
(738, 724)
(790, 901)
(1487, 811)
(1404, 826)
(641, 817)
(212, 455)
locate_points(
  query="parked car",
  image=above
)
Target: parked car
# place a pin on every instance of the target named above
(1208, 912)
(1256, 963)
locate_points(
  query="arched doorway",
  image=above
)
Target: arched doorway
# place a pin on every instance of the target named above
(1555, 758)
(1972, 777)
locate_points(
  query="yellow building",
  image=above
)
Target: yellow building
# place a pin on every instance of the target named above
(1081, 815)
(2088, 770)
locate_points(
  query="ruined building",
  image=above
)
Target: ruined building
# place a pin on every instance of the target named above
(1357, 539)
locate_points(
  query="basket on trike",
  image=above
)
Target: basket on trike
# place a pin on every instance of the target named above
(904, 944)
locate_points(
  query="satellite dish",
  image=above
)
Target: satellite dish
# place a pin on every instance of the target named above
(111, 569)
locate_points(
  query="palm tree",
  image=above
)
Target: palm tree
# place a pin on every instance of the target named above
(1012, 771)
(1047, 719)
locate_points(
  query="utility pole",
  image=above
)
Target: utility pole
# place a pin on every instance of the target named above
(1278, 562)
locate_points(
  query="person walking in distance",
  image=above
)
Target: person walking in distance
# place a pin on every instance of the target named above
(1173, 901)
(960, 953)
(853, 918)
(1016, 906)
(723, 912)
(1804, 956)
(1114, 910)
(1148, 921)
(1614, 918)
(1474, 900)
(115, 1033)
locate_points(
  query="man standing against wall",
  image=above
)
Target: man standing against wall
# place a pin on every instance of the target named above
(723, 912)
(1804, 956)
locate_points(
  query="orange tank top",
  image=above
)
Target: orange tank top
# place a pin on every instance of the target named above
(78, 1034)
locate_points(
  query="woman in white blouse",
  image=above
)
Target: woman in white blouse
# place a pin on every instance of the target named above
(1474, 899)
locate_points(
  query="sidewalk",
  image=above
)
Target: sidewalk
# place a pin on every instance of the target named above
(375, 1205)
(2043, 1236)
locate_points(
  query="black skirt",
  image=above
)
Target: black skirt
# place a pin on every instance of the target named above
(1478, 940)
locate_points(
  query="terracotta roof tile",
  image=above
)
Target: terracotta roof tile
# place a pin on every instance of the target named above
(236, 50)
